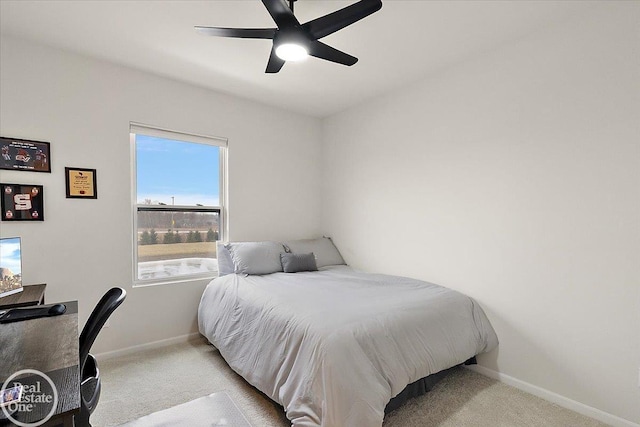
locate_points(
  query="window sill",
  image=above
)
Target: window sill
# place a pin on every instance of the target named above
(176, 271)
(174, 280)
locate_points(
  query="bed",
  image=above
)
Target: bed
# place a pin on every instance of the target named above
(334, 346)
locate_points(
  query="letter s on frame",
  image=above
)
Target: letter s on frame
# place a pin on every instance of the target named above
(22, 202)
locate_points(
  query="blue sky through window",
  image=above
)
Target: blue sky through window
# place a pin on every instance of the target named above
(187, 171)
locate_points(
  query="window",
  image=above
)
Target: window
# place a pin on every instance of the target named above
(179, 203)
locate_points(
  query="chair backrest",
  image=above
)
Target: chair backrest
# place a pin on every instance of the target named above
(107, 305)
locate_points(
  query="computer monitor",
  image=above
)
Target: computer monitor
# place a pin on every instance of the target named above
(10, 266)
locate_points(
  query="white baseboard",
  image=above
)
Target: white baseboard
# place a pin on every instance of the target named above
(147, 346)
(565, 402)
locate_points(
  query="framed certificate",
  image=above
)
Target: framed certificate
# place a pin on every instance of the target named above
(81, 183)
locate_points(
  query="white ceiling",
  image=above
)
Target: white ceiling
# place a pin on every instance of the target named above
(403, 42)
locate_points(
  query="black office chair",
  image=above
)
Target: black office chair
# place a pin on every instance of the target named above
(90, 380)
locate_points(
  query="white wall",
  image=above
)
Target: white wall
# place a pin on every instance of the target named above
(513, 178)
(83, 107)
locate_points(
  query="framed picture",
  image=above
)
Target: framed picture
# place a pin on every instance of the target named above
(81, 183)
(22, 202)
(24, 155)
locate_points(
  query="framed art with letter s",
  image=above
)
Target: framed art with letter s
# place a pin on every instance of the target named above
(22, 202)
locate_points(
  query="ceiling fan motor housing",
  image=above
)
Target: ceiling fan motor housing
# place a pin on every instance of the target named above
(291, 35)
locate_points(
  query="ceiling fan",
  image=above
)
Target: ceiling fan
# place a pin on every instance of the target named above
(293, 41)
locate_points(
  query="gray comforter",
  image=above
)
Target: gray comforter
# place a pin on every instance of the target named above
(334, 346)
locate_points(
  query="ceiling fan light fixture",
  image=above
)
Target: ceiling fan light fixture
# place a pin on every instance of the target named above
(292, 52)
(293, 41)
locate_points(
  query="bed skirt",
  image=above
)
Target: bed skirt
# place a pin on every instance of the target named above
(420, 387)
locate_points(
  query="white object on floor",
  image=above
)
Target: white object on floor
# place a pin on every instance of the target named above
(214, 410)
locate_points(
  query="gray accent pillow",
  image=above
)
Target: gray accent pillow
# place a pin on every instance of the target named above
(256, 257)
(293, 263)
(225, 263)
(323, 248)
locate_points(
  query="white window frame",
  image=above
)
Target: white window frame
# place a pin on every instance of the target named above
(155, 131)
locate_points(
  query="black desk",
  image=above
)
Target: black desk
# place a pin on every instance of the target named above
(49, 345)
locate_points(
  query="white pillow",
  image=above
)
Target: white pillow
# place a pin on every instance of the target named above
(323, 248)
(225, 263)
(256, 257)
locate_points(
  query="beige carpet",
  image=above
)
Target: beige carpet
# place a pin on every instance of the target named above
(149, 381)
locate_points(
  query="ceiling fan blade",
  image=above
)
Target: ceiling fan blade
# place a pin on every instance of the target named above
(281, 14)
(323, 51)
(242, 33)
(275, 63)
(339, 19)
